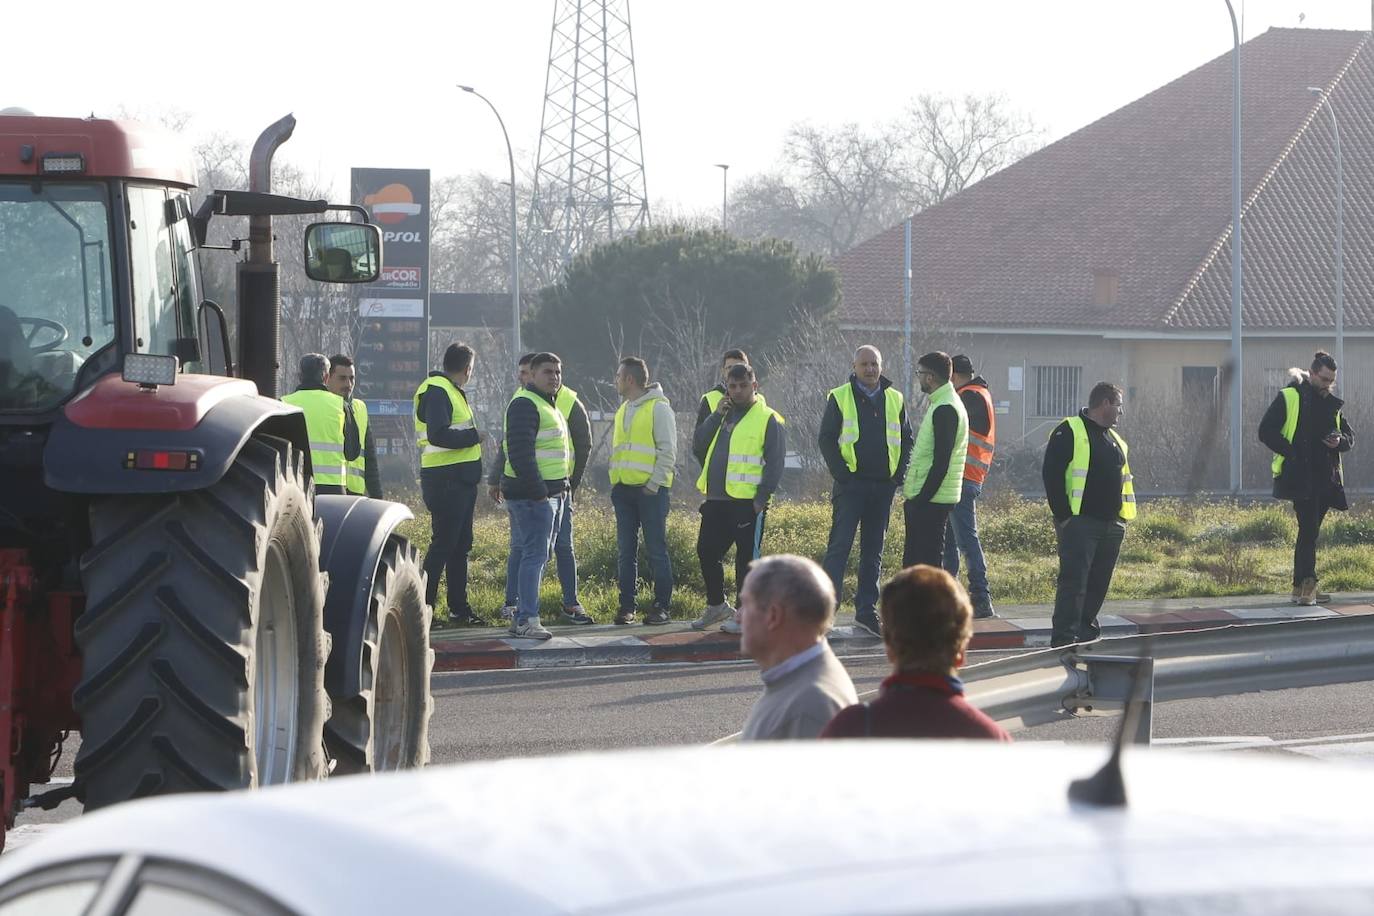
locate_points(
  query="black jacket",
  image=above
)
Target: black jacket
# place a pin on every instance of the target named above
(1310, 469)
(437, 412)
(870, 452)
(1101, 490)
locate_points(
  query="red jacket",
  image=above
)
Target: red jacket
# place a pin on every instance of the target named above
(916, 706)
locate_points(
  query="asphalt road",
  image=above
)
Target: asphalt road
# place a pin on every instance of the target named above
(493, 714)
(485, 715)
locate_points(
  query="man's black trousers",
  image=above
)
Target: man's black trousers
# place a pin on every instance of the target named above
(925, 533)
(1088, 548)
(725, 523)
(451, 500)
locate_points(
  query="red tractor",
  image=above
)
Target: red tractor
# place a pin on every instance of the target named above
(170, 585)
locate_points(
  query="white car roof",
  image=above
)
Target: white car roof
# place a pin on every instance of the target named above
(804, 827)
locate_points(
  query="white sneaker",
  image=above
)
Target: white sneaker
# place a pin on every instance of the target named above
(731, 626)
(508, 612)
(713, 615)
(530, 629)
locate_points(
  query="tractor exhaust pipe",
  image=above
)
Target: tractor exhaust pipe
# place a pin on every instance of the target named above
(259, 283)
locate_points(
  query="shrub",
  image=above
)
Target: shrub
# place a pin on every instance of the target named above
(1265, 526)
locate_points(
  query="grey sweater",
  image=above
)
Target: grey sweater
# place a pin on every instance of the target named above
(802, 702)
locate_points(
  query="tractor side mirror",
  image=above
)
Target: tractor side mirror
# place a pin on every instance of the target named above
(216, 335)
(343, 252)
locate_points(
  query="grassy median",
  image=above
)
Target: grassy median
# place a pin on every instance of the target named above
(1175, 549)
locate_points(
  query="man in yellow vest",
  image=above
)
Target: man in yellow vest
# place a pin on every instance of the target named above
(450, 448)
(535, 482)
(1088, 484)
(565, 560)
(865, 439)
(1307, 433)
(324, 424)
(961, 534)
(711, 399)
(935, 475)
(364, 476)
(742, 447)
(643, 452)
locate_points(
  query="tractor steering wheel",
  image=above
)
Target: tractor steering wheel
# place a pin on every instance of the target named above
(39, 325)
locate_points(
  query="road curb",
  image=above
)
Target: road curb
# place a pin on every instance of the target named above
(606, 645)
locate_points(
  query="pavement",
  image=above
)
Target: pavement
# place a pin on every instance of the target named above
(1016, 627)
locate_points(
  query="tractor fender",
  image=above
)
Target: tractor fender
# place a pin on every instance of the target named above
(356, 530)
(102, 442)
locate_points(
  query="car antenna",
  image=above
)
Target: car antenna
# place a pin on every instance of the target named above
(1107, 787)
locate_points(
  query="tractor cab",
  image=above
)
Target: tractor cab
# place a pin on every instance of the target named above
(95, 255)
(97, 234)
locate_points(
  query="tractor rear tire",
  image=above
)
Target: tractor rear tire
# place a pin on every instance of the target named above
(203, 642)
(386, 726)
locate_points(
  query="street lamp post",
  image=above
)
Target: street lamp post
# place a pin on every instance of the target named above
(514, 231)
(1237, 376)
(1340, 227)
(724, 187)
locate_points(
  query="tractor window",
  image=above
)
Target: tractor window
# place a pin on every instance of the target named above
(56, 305)
(187, 303)
(150, 252)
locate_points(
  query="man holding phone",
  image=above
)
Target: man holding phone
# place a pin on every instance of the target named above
(1304, 429)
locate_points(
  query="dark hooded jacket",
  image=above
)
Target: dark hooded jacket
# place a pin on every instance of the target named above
(1310, 469)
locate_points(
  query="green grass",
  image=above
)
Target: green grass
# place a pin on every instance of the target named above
(1175, 549)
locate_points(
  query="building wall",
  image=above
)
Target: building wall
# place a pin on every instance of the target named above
(1180, 437)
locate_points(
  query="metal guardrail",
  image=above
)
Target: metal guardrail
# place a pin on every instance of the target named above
(1098, 678)
(1053, 684)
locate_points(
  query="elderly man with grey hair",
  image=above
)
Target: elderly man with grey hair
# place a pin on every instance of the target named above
(327, 423)
(786, 607)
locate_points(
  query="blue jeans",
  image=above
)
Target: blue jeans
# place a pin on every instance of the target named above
(635, 509)
(563, 553)
(536, 520)
(865, 506)
(961, 534)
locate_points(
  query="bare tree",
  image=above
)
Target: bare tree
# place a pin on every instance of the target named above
(836, 186)
(951, 143)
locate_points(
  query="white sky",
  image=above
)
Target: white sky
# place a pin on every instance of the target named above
(719, 80)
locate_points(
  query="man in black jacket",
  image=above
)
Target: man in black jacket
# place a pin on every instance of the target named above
(450, 470)
(342, 379)
(1304, 429)
(535, 482)
(1088, 485)
(865, 439)
(565, 560)
(742, 448)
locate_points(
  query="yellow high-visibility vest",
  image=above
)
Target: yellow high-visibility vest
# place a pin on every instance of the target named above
(744, 466)
(849, 426)
(553, 451)
(357, 468)
(324, 425)
(1077, 473)
(633, 450)
(436, 456)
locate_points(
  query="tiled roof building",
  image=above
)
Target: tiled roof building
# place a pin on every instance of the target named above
(1107, 253)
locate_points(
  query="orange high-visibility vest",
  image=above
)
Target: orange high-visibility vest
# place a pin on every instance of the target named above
(980, 447)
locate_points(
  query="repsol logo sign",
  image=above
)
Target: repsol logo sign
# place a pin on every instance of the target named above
(416, 238)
